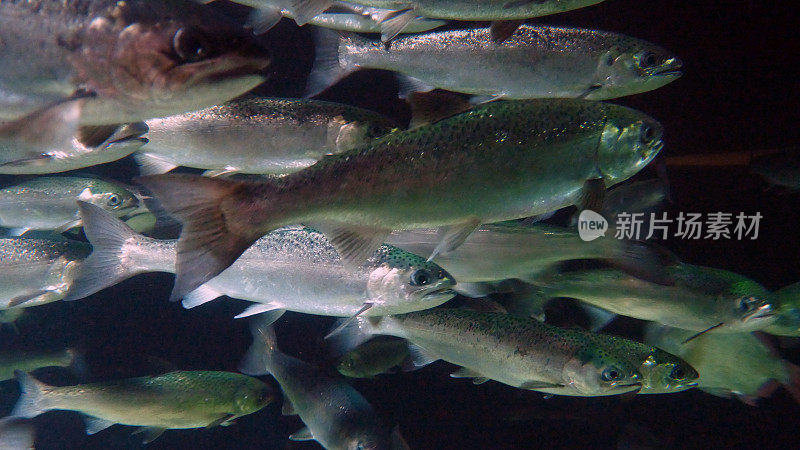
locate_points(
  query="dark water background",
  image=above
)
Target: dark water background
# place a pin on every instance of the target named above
(739, 92)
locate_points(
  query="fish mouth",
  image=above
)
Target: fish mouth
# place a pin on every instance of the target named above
(670, 68)
(439, 295)
(625, 388)
(130, 132)
(762, 312)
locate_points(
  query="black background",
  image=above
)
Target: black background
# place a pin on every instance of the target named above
(739, 92)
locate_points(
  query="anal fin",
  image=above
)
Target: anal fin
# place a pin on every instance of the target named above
(304, 434)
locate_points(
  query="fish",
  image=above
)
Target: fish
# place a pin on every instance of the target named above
(535, 62)
(738, 365)
(175, 400)
(526, 353)
(29, 361)
(343, 16)
(49, 203)
(336, 415)
(44, 155)
(257, 135)
(293, 269)
(498, 161)
(701, 298)
(127, 61)
(496, 252)
(16, 434)
(405, 12)
(37, 271)
(787, 311)
(373, 358)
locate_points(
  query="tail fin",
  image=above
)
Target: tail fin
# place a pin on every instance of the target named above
(258, 359)
(328, 67)
(32, 400)
(212, 237)
(108, 263)
(354, 333)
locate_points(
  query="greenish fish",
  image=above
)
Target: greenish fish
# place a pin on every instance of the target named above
(498, 161)
(183, 399)
(787, 311)
(37, 271)
(535, 62)
(293, 269)
(49, 203)
(335, 414)
(527, 353)
(700, 299)
(29, 361)
(128, 60)
(258, 135)
(730, 364)
(373, 357)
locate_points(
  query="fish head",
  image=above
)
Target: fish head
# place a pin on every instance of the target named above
(165, 58)
(366, 439)
(599, 371)
(111, 197)
(629, 141)
(663, 372)
(252, 397)
(400, 282)
(750, 312)
(633, 66)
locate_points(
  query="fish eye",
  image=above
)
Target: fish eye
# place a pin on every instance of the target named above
(189, 45)
(678, 373)
(114, 201)
(648, 59)
(611, 374)
(746, 304)
(421, 277)
(648, 134)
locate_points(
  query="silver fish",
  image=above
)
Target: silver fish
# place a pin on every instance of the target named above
(293, 269)
(258, 135)
(37, 271)
(535, 62)
(335, 414)
(49, 203)
(130, 60)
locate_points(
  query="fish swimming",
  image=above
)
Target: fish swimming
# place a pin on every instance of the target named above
(29, 361)
(526, 353)
(335, 414)
(181, 399)
(701, 298)
(730, 364)
(258, 135)
(787, 311)
(293, 269)
(373, 357)
(499, 161)
(129, 61)
(49, 203)
(37, 271)
(535, 62)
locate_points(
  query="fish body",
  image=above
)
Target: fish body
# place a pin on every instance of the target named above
(37, 271)
(373, 358)
(258, 135)
(499, 161)
(527, 353)
(701, 297)
(136, 59)
(293, 269)
(182, 399)
(787, 304)
(30, 361)
(483, 10)
(730, 364)
(535, 62)
(49, 203)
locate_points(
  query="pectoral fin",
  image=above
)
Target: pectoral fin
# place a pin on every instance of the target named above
(431, 107)
(220, 421)
(453, 236)
(419, 356)
(535, 384)
(96, 424)
(304, 434)
(343, 324)
(504, 29)
(149, 434)
(288, 408)
(305, 10)
(592, 195)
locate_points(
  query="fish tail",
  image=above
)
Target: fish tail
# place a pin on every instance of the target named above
(330, 64)
(214, 234)
(33, 396)
(108, 264)
(793, 383)
(351, 332)
(259, 357)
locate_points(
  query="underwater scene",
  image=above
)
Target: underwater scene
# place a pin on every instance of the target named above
(392, 224)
